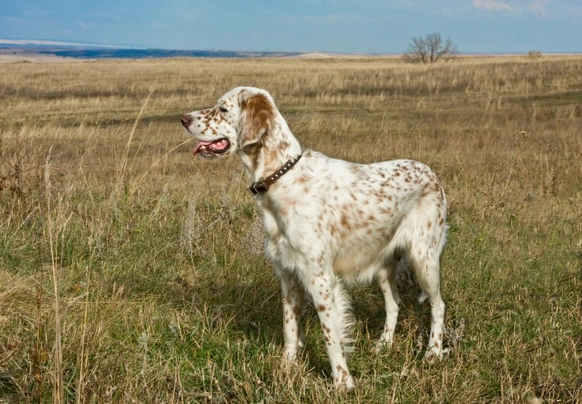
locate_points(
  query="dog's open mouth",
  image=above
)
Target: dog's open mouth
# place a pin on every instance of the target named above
(214, 147)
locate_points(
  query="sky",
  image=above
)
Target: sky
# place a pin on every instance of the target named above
(335, 26)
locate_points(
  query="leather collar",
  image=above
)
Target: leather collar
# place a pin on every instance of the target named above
(263, 186)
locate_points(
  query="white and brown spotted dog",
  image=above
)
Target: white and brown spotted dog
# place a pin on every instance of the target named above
(330, 221)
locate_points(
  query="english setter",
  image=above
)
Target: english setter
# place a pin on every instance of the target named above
(329, 221)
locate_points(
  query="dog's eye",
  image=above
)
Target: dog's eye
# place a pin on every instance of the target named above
(222, 108)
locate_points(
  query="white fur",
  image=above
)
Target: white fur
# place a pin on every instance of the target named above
(330, 221)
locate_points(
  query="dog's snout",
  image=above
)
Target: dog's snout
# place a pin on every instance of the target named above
(186, 120)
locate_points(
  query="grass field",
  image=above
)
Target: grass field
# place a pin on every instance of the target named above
(131, 272)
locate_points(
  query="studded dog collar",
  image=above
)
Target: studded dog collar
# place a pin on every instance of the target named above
(262, 186)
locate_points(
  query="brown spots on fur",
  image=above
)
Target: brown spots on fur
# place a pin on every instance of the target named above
(343, 374)
(321, 307)
(326, 329)
(431, 187)
(333, 229)
(344, 219)
(385, 210)
(302, 179)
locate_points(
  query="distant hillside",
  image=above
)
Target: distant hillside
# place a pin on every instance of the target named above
(158, 53)
(97, 52)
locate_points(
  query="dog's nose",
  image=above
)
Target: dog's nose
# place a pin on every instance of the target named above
(186, 120)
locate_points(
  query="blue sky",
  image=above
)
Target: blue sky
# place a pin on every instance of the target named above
(342, 26)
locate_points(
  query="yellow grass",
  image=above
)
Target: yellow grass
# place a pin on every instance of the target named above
(132, 272)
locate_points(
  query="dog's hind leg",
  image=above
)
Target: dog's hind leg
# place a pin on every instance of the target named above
(427, 274)
(386, 278)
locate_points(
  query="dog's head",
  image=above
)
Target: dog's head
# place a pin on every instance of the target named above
(238, 122)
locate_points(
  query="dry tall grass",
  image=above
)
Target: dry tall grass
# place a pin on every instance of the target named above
(132, 272)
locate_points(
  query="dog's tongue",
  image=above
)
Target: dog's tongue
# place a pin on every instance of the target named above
(212, 146)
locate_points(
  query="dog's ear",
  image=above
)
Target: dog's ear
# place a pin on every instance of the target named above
(257, 118)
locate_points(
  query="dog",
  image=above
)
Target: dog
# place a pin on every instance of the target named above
(329, 222)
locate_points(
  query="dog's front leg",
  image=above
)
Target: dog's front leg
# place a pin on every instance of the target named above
(332, 304)
(293, 294)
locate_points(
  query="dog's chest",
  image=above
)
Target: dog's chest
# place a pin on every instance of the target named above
(293, 234)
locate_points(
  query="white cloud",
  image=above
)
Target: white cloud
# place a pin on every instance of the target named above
(536, 7)
(494, 5)
(539, 7)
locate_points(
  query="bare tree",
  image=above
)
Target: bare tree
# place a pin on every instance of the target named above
(429, 49)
